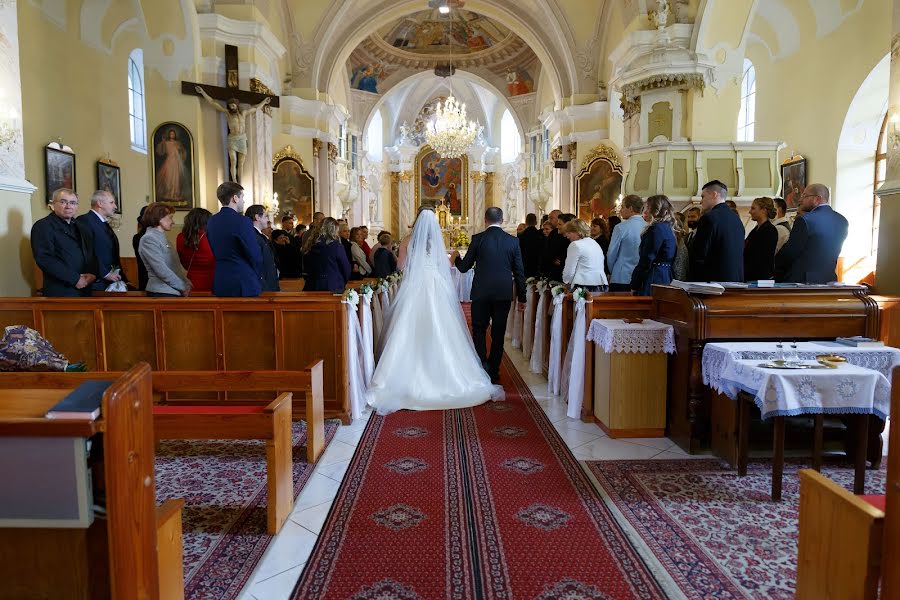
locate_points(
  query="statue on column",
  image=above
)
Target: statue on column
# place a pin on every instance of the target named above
(237, 130)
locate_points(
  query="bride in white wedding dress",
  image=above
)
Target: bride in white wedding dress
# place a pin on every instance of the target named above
(428, 360)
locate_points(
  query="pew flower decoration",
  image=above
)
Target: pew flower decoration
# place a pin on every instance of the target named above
(351, 297)
(365, 289)
(531, 281)
(580, 294)
(558, 290)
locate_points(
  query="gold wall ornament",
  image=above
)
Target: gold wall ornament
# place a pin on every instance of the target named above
(288, 152)
(317, 146)
(405, 176)
(604, 152)
(573, 151)
(478, 176)
(332, 152)
(395, 176)
(630, 106)
(363, 182)
(556, 153)
(260, 88)
(523, 183)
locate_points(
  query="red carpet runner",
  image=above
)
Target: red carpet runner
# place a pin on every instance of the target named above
(476, 503)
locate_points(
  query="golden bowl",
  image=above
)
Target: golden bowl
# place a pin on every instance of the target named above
(831, 358)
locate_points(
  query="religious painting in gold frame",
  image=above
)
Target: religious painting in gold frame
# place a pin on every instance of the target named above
(443, 180)
(173, 165)
(599, 184)
(294, 185)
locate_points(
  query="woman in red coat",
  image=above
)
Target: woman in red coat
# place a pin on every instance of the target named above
(194, 250)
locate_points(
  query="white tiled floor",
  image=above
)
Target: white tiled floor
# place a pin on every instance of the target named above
(278, 571)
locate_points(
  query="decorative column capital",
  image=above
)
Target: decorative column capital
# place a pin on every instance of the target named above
(405, 176)
(478, 176)
(332, 152)
(317, 147)
(523, 183)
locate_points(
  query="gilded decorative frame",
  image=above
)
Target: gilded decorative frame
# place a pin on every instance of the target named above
(184, 136)
(603, 154)
(289, 155)
(463, 192)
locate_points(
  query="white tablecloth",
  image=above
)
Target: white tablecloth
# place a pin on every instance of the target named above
(615, 335)
(463, 283)
(716, 355)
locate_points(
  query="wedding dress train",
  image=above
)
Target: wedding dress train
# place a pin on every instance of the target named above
(427, 358)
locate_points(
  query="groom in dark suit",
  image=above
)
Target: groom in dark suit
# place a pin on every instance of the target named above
(499, 264)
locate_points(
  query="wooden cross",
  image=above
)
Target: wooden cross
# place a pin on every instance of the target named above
(231, 89)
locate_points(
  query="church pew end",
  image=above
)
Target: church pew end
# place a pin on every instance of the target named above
(840, 542)
(271, 423)
(169, 550)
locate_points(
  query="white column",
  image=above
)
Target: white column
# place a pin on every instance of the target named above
(15, 190)
(260, 179)
(407, 212)
(476, 213)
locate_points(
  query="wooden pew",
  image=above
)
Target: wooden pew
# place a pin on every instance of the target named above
(279, 332)
(848, 542)
(117, 557)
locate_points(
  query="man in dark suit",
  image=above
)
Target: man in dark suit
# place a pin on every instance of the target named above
(259, 218)
(499, 265)
(531, 243)
(810, 254)
(95, 228)
(233, 242)
(717, 250)
(60, 250)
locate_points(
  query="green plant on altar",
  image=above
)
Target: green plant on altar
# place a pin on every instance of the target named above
(459, 239)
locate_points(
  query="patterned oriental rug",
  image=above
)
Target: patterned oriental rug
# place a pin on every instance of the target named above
(485, 502)
(717, 535)
(223, 484)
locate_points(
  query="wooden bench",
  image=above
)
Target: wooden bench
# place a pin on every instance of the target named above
(135, 552)
(848, 542)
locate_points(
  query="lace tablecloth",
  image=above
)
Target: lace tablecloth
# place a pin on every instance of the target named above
(615, 335)
(848, 389)
(463, 283)
(717, 356)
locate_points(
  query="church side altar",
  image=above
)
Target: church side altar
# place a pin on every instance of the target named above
(801, 313)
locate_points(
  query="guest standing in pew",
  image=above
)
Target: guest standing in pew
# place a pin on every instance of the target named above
(259, 218)
(624, 247)
(759, 247)
(585, 265)
(531, 243)
(717, 251)
(61, 251)
(546, 229)
(360, 265)
(166, 277)
(95, 229)
(557, 246)
(135, 243)
(328, 269)
(600, 233)
(681, 264)
(233, 242)
(782, 223)
(346, 244)
(364, 242)
(378, 245)
(385, 262)
(658, 247)
(194, 250)
(811, 252)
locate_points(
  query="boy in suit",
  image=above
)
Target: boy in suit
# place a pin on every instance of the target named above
(233, 242)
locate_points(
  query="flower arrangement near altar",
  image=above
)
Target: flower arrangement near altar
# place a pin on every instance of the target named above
(459, 239)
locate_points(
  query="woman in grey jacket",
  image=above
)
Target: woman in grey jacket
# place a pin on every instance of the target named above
(166, 276)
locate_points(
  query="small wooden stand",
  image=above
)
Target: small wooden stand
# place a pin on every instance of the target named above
(630, 393)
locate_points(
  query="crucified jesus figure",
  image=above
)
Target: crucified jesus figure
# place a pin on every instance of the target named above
(237, 135)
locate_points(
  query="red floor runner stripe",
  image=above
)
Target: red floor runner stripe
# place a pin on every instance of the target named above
(484, 502)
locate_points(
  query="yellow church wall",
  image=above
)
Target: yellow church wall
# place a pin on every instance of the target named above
(15, 226)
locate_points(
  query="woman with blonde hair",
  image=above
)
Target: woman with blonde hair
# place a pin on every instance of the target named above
(658, 246)
(327, 266)
(759, 247)
(585, 266)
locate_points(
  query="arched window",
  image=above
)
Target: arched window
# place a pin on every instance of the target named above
(880, 171)
(137, 110)
(375, 137)
(747, 116)
(510, 142)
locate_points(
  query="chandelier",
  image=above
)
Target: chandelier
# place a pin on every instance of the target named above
(451, 133)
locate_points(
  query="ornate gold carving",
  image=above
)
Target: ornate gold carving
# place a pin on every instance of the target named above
(478, 176)
(556, 153)
(259, 87)
(332, 152)
(630, 107)
(363, 182)
(601, 152)
(317, 146)
(395, 177)
(685, 81)
(287, 152)
(573, 150)
(405, 176)
(523, 183)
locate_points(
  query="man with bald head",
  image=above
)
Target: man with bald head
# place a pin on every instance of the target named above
(810, 254)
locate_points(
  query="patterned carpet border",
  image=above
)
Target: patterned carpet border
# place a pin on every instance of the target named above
(635, 571)
(223, 484)
(716, 534)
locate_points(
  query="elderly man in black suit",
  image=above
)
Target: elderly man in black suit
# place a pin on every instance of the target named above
(63, 254)
(531, 243)
(811, 252)
(499, 266)
(717, 250)
(95, 228)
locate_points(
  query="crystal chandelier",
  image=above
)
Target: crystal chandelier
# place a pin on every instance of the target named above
(451, 133)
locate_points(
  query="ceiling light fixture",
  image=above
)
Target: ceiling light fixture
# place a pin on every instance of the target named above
(451, 133)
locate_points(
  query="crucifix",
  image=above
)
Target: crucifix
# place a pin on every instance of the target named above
(233, 96)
